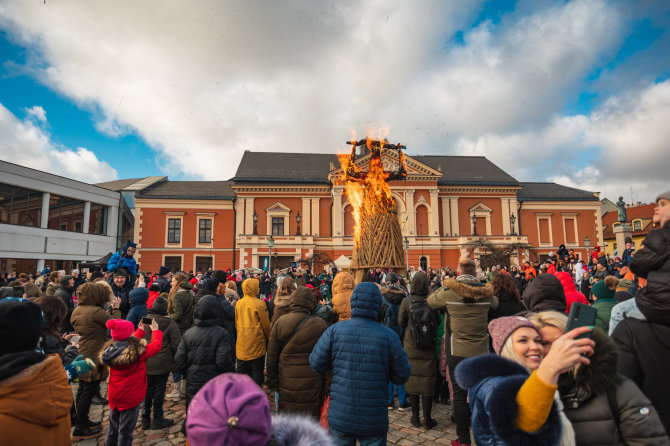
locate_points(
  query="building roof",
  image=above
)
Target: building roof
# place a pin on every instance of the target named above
(192, 190)
(466, 170)
(135, 184)
(553, 192)
(644, 212)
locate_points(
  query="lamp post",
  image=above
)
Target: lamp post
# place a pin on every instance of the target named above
(271, 243)
(406, 243)
(255, 223)
(298, 219)
(512, 220)
(587, 243)
(474, 224)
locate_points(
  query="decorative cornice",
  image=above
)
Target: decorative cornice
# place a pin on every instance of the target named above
(282, 189)
(479, 190)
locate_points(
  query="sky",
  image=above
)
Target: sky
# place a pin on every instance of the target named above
(576, 92)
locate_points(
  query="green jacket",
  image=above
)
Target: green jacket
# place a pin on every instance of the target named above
(604, 307)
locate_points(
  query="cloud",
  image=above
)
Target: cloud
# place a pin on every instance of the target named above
(27, 144)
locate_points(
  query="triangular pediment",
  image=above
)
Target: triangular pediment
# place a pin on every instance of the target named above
(416, 171)
(480, 207)
(277, 207)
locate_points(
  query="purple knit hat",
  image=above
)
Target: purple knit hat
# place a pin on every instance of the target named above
(502, 327)
(229, 409)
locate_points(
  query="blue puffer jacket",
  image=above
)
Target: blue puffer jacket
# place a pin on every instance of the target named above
(138, 305)
(492, 383)
(120, 260)
(364, 356)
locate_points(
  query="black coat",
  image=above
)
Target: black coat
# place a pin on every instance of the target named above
(64, 293)
(163, 284)
(545, 292)
(121, 293)
(205, 349)
(507, 306)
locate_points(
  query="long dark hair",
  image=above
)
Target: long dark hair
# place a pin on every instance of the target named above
(504, 284)
(54, 311)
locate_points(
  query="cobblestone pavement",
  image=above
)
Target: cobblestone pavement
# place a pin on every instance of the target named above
(401, 431)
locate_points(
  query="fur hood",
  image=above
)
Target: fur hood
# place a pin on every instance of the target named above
(470, 290)
(473, 370)
(393, 295)
(120, 353)
(297, 430)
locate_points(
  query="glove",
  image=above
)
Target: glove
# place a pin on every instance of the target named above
(82, 365)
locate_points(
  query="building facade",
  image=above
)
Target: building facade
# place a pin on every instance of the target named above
(448, 207)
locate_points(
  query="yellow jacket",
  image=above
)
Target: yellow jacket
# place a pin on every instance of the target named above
(252, 323)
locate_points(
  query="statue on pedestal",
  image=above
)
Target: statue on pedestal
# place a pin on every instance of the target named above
(621, 208)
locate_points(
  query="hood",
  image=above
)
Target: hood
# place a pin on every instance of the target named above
(250, 288)
(138, 296)
(394, 295)
(343, 283)
(298, 430)
(366, 300)
(419, 284)
(470, 290)
(545, 292)
(206, 311)
(46, 382)
(303, 300)
(128, 244)
(473, 370)
(622, 296)
(121, 353)
(656, 308)
(566, 281)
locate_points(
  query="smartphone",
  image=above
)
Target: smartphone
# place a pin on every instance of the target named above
(581, 316)
(75, 339)
(147, 320)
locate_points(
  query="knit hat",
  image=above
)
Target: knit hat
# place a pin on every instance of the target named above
(502, 327)
(160, 306)
(209, 285)
(625, 283)
(229, 409)
(20, 325)
(601, 290)
(163, 270)
(193, 281)
(120, 328)
(665, 195)
(121, 272)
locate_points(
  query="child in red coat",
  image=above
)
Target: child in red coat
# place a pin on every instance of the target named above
(126, 355)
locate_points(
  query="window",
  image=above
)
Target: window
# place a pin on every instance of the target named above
(203, 264)
(205, 230)
(277, 225)
(77, 226)
(19, 206)
(97, 221)
(174, 230)
(637, 225)
(544, 231)
(173, 263)
(63, 211)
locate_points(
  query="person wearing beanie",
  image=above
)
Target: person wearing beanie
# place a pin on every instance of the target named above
(88, 320)
(204, 350)
(622, 292)
(602, 292)
(154, 292)
(545, 293)
(126, 355)
(29, 379)
(138, 305)
(159, 366)
(643, 346)
(124, 260)
(163, 279)
(64, 293)
(602, 406)
(118, 282)
(359, 394)
(509, 406)
(252, 322)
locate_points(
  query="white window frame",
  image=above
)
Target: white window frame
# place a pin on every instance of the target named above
(566, 216)
(173, 255)
(480, 210)
(278, 210)
(204, 216)
(544, 216)
(176, 215)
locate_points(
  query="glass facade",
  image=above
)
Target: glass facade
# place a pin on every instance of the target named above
(20, 206)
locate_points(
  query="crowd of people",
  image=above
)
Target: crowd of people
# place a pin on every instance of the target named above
(336, 354)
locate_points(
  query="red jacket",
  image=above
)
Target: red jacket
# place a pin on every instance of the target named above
(128, 372)
(153, 295)
(571, 293)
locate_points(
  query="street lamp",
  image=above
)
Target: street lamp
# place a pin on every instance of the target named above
(406, 243)
(587, 243)
(255, 223)
(474, 224)
(512, 220)
(271, 243)
(298, 219)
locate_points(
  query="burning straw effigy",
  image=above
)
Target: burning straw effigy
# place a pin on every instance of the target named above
(377, 234)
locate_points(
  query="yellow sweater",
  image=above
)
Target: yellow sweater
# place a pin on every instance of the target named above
(535, 398)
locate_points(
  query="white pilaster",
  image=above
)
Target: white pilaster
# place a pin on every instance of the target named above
(505, 216)
(455, 229)
(87, 216)
(306, 220)
(315, 217)
(446, 223)
(44, 219)
(434, 213)
(411, 212)
(249, 216)
(239, 217)
(338, 214)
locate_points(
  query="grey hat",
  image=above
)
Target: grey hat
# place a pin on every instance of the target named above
(665, 195)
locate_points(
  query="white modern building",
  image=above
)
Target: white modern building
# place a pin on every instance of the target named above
(47, 219)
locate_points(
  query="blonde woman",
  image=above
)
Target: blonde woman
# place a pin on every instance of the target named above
(282, 300)
(230, 291)
(603, 406)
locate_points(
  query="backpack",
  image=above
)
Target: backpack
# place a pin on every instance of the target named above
(422, 324)
(391, 317)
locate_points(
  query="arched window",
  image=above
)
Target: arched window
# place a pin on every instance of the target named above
(421, 220)
(348, 221)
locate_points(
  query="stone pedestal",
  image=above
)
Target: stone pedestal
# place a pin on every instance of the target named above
(621, 232)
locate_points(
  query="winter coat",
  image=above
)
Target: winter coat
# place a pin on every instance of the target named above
(64, 293)
(301, 390)
(507, 306)
(121, 293)
(604, 307)
(467, 303)
(279, 311)
(153, 295)
(423, 361)
(35, 400)
(122, 261)
(163, 361)
(364, 356)
(89, 322)
(252, 323)
(571, 293)
(182, 310)
(343, 286)
(652, 262)
(128, 369)
(393, 296)
(545, 292)
(51, 289)
(138, 305)
(51, 345)
(644, 345)
(586, 403)
(163, 284)
(205, 349)
(493, 383)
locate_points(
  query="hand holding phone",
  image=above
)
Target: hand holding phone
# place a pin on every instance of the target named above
(581, 316)
(147, 320)
(74, 340)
